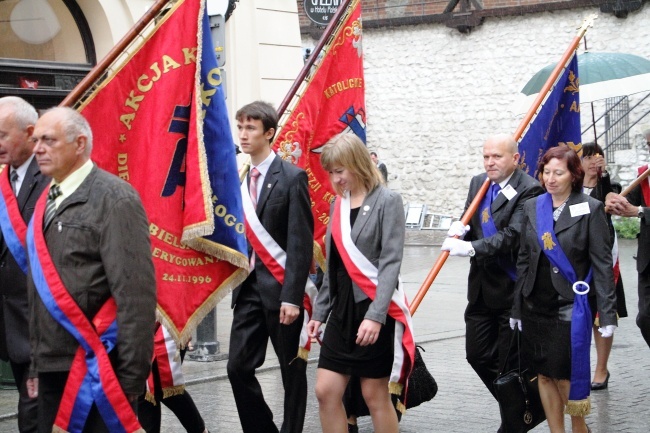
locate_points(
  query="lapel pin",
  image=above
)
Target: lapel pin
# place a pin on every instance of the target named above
(59, 227)
(366, 208)
(268, 185)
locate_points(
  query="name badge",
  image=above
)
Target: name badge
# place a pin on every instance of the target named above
(579, 209)
(509, 192)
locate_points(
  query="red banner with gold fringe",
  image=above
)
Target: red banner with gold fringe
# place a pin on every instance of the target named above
(160, 124)
(331, 101)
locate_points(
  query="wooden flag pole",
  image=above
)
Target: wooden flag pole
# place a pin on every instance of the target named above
(636, 182)
(467, 216)
(96, 72)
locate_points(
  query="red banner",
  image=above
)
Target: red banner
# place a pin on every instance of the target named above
(332, 101)
(149, 129)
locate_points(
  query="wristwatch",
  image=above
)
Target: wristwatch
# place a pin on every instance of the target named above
(471, 252)
(640, 214)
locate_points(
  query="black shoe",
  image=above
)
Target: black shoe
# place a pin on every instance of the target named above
(353, 428)
(597, 386)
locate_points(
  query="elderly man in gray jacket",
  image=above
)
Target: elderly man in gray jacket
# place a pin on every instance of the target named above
(96, 233)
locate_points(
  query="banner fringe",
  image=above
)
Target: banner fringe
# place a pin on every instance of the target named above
(218, 251)
(183, 338)
(578, 407)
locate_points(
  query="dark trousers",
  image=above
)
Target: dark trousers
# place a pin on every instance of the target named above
(27, 407)
(252, 327)
(50, 392)
(487, 340)
(643, 318)
(182, 405)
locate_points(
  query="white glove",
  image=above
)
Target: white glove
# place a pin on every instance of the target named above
(515, 322)
(457, 229)
(456, 247)
(607, 331)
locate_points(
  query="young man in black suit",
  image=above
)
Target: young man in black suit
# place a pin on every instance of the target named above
(269, 304)
(17, 120)
(492, 256)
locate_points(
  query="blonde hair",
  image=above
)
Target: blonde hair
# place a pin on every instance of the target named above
(348, 151)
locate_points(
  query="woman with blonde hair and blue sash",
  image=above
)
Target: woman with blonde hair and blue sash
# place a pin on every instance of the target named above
(563, 255)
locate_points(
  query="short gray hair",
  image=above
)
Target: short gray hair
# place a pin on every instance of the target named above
(24, 114)
(74, 125)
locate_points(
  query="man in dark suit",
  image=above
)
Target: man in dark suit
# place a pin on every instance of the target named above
(93, 234)
(636, 204)
(493, 255)
(380, 166)
(17, 120)
(269, 304)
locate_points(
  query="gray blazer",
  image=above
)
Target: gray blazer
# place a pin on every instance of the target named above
(585, 241)
(379, 234)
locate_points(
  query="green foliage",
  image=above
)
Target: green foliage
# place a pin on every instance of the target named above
(626, 228)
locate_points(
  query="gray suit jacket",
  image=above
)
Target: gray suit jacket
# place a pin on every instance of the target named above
(14, 327)
(585, 241)
(486, 274)
(379, 234)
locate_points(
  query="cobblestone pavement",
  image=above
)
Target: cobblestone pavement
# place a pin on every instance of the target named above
(462, 405)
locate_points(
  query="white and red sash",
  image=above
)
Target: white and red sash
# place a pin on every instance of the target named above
(366, 275)
(14, 228)
(275, 259)
(168, 361)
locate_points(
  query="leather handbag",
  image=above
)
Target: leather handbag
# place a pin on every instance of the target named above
(518, 395)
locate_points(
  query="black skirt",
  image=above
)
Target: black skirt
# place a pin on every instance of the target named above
(546, 324)
(339, 350)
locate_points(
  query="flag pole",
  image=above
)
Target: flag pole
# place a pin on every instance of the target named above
(96, 72)
(336, 21)
(467, 216)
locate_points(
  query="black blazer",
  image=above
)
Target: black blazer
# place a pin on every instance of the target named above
(581, 238)
(284, 209)
(635, 197)
(14, 326)
(485, 274)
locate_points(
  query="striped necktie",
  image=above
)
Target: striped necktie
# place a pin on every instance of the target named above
(50, 207)
(14, 179)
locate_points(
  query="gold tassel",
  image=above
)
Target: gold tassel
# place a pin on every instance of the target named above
(400, 406)
(395, 388)
(150, 398)
(578, 407)
(173, 390)
(303, 354)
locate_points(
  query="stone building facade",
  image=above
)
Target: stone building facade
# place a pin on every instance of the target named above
(434, 93)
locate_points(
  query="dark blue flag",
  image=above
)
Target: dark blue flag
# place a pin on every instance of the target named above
(557, 122)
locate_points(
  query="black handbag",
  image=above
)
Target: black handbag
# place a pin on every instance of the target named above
(518, 396)
(422, 386)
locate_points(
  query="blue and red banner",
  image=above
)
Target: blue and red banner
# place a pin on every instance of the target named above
(161, 124)
(331, 101)
(556, 123)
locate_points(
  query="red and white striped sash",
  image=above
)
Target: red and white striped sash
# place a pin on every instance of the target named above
(275, 258)
(365, 275)
(168, 361)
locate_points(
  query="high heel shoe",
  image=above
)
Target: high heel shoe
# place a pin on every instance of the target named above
(597, 386)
